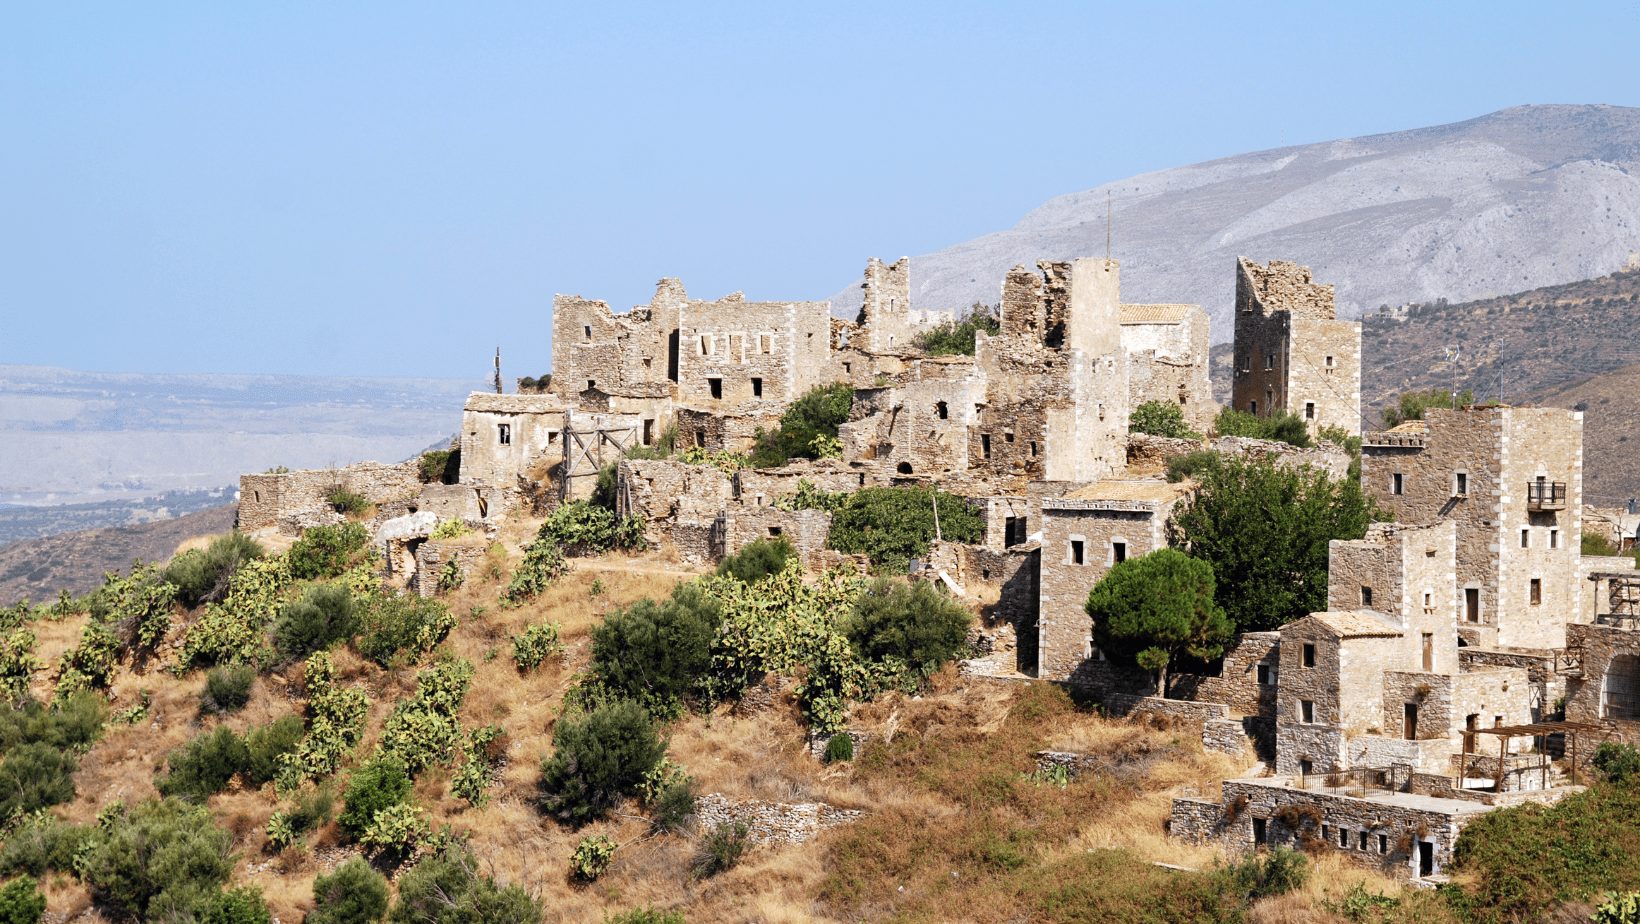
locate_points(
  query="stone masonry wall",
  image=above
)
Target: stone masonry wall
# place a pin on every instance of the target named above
(806, 530)
(772, 822)
(281, 499)
(1064, 629)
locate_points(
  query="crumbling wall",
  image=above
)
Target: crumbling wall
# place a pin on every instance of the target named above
(1246, 681)
(761, 487)
(680, 503)
(289, 501)
(1291, 353)
(1167, 347)
(806, 530)
(777, 822)
(466, 555)
(732, 352)
(504, 437)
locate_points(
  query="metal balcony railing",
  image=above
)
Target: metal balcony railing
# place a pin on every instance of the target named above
(1545, 495)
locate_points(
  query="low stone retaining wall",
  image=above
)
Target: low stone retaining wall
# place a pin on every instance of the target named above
(772, 822)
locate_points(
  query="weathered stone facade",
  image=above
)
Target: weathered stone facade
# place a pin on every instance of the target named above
(1511, 479)
(1084, 533)
(1165, 345)
(1292, 353)
(292, 501)
(776, 822)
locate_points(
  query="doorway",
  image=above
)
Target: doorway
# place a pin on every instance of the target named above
(1426, 859)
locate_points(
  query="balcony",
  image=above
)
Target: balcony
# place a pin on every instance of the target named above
(1545, 495)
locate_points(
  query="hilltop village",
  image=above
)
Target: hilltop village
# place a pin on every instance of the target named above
(1469, 656)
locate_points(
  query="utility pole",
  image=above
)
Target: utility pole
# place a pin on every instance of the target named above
(1452, 353)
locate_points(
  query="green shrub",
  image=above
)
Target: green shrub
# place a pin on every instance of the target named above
(325, 615)
(543, 563)
(449, 529)
(587, 528)
(913, 622)
(326, 551)
(1186, 466)
(203, 575)
(313, 807)
(655, 652)
(346, 500)
(90, 663)
(380, 784)
(447, 888)
(266, 746)
(234, 629)
(592, 857)
(396, 831)
(1596, 544)
(839, 747)
(1616, 761)
(71, 724)
(1282, 426)
(1262, 875)
(721, 849)
(21, 902)
(227, 688)
(646, 915)
(1518, 862)
(1411, 405)
(1161, 418)
(243, 905)
(424, 728)
(336, 720)
(17, 663)
(597, 760)
(353, 894)
(817, 413)
(42, 843)
(1618, 908)
(809, 497)
(205, 765)
(163, 858)
(956, 337)
(394, 623)
(891, 526)
(535, 644)
(439, 466)
(481, 755)
(34, 776)
(669, 794)
(758, 560)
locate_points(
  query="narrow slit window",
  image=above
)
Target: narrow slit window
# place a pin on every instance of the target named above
(757, 387)
(1076, 551)
(504, 433)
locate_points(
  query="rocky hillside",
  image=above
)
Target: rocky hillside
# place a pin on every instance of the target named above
(36, 569)
(1525, 197)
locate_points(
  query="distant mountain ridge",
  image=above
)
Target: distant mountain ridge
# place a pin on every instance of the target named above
(1525, 197)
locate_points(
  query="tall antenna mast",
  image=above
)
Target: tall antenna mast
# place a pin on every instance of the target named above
(1107, 226)
(1452, 353)
(498, 370)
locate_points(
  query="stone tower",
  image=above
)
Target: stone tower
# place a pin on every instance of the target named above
(1292, 353)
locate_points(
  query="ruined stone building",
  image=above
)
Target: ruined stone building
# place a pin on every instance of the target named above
(1292, 353)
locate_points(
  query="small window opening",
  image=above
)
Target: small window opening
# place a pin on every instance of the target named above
(845, 368)
(1395, 483)
(1309, 410)
(1361, 840)
(716, 386)
(1033, 449)
(1260, 831)
(1537, 591)
(705, 345)
(1472, 604)
(1306, 766)
(1262, 673)
(592, 384)
(1252, 407)
(504, 431)
(765, 343)
(1118, 552)
(1429, 651)
(1307, 654)
(1007, 436)
(774, 532)
(1076, 551)
(1306, 711)
(1383, 843)
(1329, 362)
(1460, 484)
(985, 445)
(1366, 596)
(1344, 837)
(588, 331)
(903, 468)
(1409, 721)
(1554, 538)
(648, 431)
(1269, 361)
(1525, 537)
(757, 387)
(941, 411)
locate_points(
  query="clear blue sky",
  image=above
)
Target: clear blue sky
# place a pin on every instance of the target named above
(396, 188)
